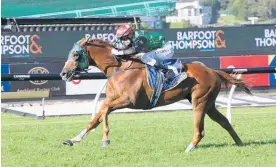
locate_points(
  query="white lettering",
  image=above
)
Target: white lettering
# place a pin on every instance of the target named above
(55, 89)
(105, 36)
(12, 44)
(7, 38)
(195, 35)
(87, 36)
(270, 33)
(199, 44)
(2, 40)
(266, 33)
(99, 35)
(208, 35)
(190, 35)
(15, 49)
(21, 76)
(201, 35)
(213, 34)
(265, 42)
(178, 36)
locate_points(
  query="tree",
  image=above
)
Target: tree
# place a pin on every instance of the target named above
(266, 8)
(243, 9)
(215, 4)
(238, 8)
(224, 4)
(246, 8)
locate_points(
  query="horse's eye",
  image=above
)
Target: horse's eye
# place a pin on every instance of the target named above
(76, 56)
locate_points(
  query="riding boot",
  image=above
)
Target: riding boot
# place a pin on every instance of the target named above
(169, 74)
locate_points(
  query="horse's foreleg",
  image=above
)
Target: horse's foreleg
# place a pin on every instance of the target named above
(92, 125)
(105, 140)
(121, 102)
(198, 111)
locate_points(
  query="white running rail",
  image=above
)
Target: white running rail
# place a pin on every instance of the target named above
(229, 113)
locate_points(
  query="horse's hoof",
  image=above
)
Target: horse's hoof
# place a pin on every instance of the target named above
(190, 148)
(240, 144)
(68, 142)
(105, 143)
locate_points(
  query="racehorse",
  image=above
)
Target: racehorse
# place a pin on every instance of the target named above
(128, 87)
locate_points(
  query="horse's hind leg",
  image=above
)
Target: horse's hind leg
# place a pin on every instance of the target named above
(215, 115)
(199, 114)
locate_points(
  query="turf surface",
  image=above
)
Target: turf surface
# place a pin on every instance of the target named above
(150, 139)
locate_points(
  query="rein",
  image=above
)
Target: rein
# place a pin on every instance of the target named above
(126, 69)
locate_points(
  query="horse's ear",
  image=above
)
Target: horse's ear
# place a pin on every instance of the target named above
(83, 41)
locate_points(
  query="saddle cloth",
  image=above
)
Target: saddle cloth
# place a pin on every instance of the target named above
(158, 82)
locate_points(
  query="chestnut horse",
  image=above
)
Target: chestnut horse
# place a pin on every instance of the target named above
(128, 88)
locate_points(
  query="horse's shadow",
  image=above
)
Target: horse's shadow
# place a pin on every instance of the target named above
(249, 143)
(260, 142)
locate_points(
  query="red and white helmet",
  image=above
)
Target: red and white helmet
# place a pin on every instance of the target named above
(124, 30)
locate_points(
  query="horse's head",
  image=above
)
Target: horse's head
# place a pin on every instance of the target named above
(80, 57)
(78, 60)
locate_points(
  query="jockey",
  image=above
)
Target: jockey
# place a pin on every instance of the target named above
(151, 47)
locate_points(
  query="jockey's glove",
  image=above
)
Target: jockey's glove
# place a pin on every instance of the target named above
(117, 52)
(128, 51)
(160, 66)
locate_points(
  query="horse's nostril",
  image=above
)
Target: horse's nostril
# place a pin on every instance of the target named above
(62, 74)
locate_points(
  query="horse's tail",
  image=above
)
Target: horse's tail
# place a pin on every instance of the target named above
(228, 79)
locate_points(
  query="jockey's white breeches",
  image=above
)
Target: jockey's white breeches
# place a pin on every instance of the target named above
(159, 54)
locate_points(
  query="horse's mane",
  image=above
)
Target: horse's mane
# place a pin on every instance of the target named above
(99, 42)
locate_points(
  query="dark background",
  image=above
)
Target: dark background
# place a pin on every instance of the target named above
(239, 41)
(58, 87)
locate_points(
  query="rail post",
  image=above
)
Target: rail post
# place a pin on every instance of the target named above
(97, 99)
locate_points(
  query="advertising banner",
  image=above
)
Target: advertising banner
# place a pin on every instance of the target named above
(55, 87)
(248, 61)
(5, 85)
(78, 87)
(272, 63)
(189, 42)
(45, 44)
(21, 45)
(219, 41)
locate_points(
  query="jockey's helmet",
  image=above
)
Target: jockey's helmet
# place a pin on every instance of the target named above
(124, 31)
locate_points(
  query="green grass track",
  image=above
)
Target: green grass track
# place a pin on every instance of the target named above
(145, 140)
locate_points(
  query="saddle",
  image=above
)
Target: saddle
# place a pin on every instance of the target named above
(158, 82)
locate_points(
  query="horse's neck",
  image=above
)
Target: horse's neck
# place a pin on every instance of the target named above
(104, 60)
(108, 64)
